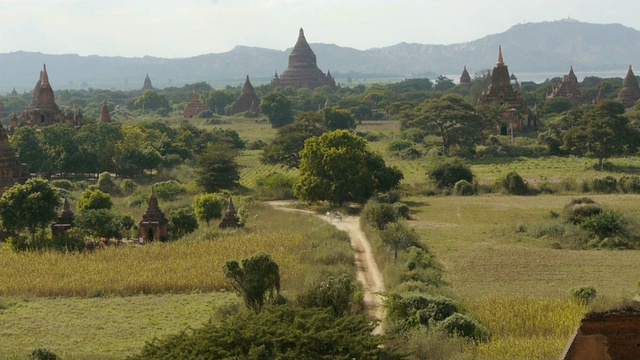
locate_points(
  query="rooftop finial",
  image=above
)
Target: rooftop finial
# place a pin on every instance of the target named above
(45, 76)
(500, 60)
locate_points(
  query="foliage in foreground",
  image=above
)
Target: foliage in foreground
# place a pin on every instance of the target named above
(280, 332)
(257, 281)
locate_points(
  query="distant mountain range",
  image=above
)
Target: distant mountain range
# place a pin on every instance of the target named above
(531, 48)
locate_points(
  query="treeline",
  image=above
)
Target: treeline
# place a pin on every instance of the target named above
(127, 150)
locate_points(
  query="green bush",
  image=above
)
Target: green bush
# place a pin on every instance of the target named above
(128, 186)
(463, 188)
(447, 173)
(43, 354)
(411, 153)
(399, 145)
(629, 184)
(583, 294)
(606, 185)
(169, 190)
(379, 214)
(463, 326)
(182, 221)
(407, 311)
(513, 184)
(403, 210)
(275, 186)
(62, 184)
(107, 185)
(335, 293)
(605, 224)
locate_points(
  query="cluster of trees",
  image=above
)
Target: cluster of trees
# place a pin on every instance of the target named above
(126, 150)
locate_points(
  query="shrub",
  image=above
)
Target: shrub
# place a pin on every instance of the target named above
(389, 197)
(403, 210)
(379, 215)
(407, 311)
(606, 185)
(583, 294)
(182, 221)
(94, 200)
(334, 293)
(256, 145)
(107, 185)
(513, 184)
(128, 186)
(463, 326)
(169, 190)
(463, 188)
(275, 186)
(399, 145)
(62, 184)
(411, 153)
(449, 172)
(421, 266)
(606, 223)
(629, 184)
(43, 354)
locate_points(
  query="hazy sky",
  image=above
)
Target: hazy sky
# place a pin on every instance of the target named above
(183, 28)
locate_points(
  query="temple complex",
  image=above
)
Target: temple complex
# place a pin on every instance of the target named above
(248, 100)
(11, 170)
(194, 107)
(153, 225)
(147, 84)
(465, 79)
(303, 71)
(65, 220)
(630, 92)
(569, 88)
(503, 92)
(105, 116)
(230, 219)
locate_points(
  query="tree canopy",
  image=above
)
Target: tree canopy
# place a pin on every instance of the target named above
(257, 281)
(338, 167)
(217, 169)
(277, 108)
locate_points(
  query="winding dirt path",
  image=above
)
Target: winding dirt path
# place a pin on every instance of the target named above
(368, 273)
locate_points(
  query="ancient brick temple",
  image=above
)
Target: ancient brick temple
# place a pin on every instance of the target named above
(147, 84)
(465, 79)
(230, 219)
(194, 107)
(44, 111)
(303, 71)
(504, 92)
(65, 220)
(611, 335)
(11, 170)
(569, 88)
(630, 92)
(153, 225)
(248, 100)
(105, 116)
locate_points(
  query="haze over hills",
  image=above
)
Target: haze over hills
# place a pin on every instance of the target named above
(546, 47)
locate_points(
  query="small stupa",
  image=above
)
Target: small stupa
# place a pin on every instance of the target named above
(465, 78)
(194, 107)
(153, 225)
(230, 219)
(569, 88)
(147, 84)
(630, 92)
(105, 116)
(248, 100)
(65, 220)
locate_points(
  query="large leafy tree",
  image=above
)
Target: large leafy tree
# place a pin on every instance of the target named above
(217, 169)
(182, 221)
(338, 167)
(289, 140)
(336, 118)
(28, 147)
(451, 118)
(278, 109)
(257, 281)
(31, 206)
(604, 132)
(208, 207)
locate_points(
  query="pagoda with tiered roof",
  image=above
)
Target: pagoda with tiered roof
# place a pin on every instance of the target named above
(153, 225)
(65, 220)
(303, 71)
(569, 88)
(105, 116)
(465, 79)
(248, 100)
(630, 92)
(147, 84)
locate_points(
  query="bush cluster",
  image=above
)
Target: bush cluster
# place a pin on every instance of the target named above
(447, 173)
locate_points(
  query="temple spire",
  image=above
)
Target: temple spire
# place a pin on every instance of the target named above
(500, 60)
(45, 76)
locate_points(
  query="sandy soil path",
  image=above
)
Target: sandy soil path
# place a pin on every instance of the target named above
(368, 273)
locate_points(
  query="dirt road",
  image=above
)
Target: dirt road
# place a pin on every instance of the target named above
(368, 273)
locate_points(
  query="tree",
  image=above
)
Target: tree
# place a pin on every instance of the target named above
(398, 237)
(289, 140)
(182, 221)
(94, 200)
(102, 223)
(31, 206)
(151, 100)
(218, 100)
(604, 132)
(208, 207)
(336, 118)
(450, 118)
(257, 281)
(338, 167)
(217, 169)
(277, 108)
(335, 293)
(446, 174)
(28, 147)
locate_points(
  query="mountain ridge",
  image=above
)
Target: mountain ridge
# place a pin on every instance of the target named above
(548, 47)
